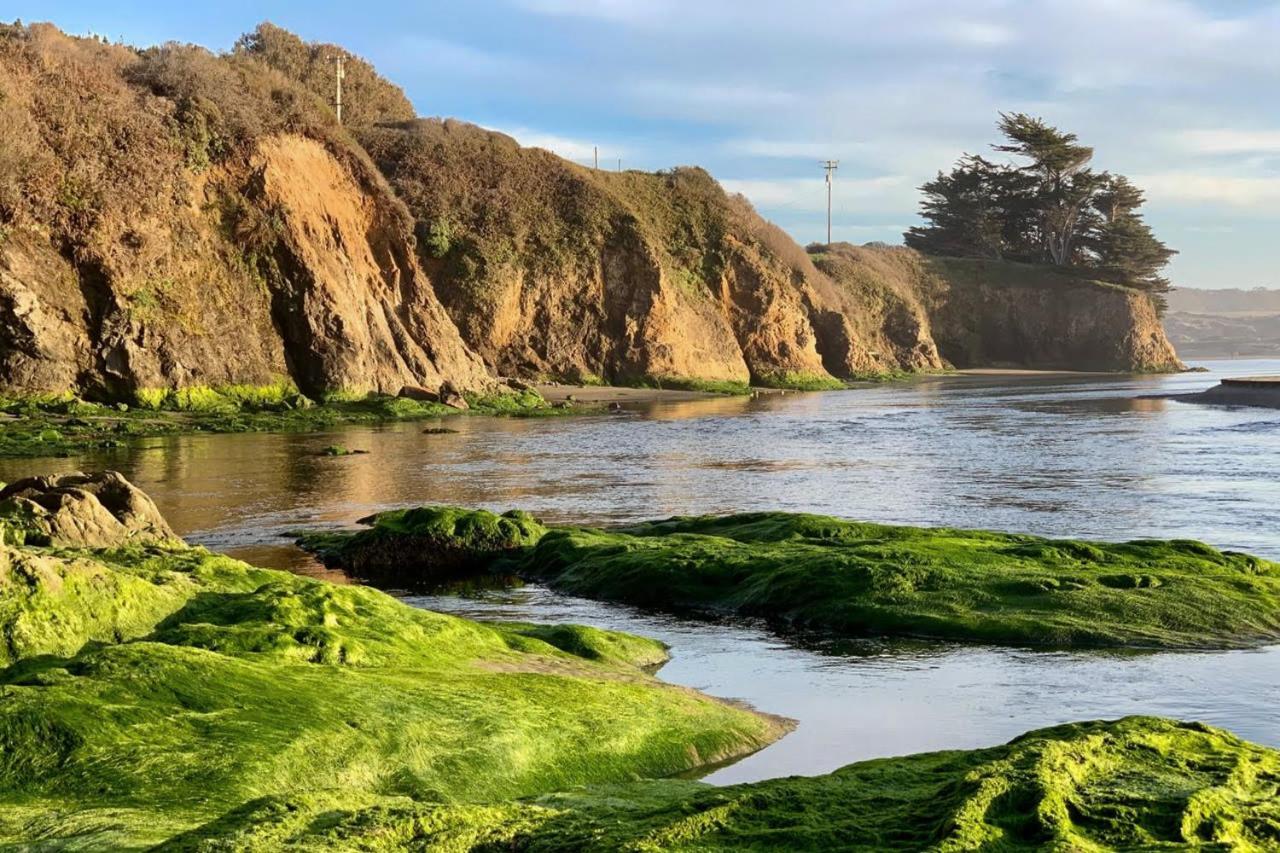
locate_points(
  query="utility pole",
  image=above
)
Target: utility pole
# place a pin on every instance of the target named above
(339, 73)
(830, 166)
(619, 164)
(595, 157)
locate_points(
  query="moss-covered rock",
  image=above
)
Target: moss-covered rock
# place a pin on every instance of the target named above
(150, 691)
(1139, 783)
(426, 546)
(850, 578)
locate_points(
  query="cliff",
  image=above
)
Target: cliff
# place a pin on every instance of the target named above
(553, 269)
(172, 218)
(1003, 314)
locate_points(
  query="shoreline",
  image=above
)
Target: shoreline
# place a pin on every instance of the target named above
(604, 394)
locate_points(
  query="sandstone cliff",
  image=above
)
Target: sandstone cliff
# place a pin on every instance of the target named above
(173, 218)
(170, 218)
(553, 269)
(1003, 314)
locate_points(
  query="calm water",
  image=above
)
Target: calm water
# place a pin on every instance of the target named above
(1079, 456)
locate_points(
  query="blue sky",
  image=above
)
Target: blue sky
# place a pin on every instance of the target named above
(1182, 96)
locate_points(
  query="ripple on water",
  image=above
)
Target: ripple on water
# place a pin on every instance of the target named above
(1064, 456)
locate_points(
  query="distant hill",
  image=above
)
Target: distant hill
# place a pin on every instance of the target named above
(1259, 300)
(1229, 322)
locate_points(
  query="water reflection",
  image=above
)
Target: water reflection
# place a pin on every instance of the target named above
(870, 699)
(1059, 455)
(1062, 455)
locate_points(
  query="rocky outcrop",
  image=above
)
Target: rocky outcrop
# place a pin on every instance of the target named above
(976, 313)
(99, 510)
(171, 218)
(554, 270)
(184, 219)
(1004, 314)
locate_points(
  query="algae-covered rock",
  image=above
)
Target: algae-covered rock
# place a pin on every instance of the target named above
(206, 684)
(851, 578)
(427, 545)
(1140, 783)
(98, 510)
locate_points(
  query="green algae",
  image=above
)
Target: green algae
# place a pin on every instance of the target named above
(1139, 783)
(193, 684)
(850, 578)
(797, 381)
(62, 424)
(853, 579)
(426, 546)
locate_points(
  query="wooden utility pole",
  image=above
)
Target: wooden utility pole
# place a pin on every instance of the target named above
(595, 157)
(339, 74)
(830, 166)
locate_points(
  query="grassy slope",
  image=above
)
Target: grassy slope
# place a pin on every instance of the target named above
(852, 578)
(205, 683)
(1138, 784)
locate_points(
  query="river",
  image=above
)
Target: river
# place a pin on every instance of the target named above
(1073, 455)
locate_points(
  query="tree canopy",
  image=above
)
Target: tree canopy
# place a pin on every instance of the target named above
(1049, 206)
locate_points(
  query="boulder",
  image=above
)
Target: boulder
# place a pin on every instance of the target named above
(416, 392)
(451, 396)
(99, 510)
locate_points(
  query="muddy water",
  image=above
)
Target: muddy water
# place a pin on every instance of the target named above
(1065, 455)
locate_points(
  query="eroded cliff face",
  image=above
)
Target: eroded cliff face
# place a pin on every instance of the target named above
(1001, 314)
(552, 269)
(172, 218)
(974, 313)
(154, 241)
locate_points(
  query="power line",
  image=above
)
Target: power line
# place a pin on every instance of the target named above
(830, 166)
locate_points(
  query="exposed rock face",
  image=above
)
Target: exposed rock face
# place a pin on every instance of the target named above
(183, 219)
(552, 269)
(975, 313)
(870, 316)
(170, 218)
(100, 510)
(1003, 314)
(351, 298)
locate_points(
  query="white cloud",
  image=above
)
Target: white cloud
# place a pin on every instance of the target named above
(1229, 190)
(810, 194)
(1227, 141)
(579, 150)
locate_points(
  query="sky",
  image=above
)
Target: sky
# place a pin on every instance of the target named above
(1183, 97)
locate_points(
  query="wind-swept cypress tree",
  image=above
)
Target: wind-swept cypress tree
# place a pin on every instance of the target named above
(1049, 207)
